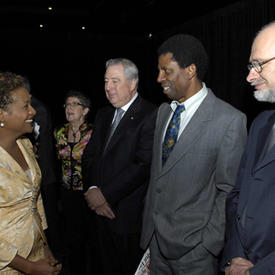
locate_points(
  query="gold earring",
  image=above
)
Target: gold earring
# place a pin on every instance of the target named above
(2, 124)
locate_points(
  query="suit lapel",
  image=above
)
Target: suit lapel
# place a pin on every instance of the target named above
(10, 166)
(33, 166)
(129, 116)
(194, 130)
(163, 117)
(262, 158)
(106, 122)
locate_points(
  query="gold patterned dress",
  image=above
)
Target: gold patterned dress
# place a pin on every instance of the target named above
(22, 218)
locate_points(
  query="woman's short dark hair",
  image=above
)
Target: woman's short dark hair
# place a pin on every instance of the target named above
(9, 82)
(186, 50)
(84, 100)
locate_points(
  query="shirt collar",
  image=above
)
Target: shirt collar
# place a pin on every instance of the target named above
(126, 107)
(192, 100)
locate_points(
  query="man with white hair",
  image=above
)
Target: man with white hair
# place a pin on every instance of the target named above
(250, 246)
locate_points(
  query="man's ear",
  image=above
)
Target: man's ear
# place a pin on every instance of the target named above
(192, 70)
(133, 84)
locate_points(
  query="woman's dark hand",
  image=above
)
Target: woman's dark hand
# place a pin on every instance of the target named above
(45, 267)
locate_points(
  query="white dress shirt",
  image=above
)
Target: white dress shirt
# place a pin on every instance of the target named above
(126, 107)
(191, 105)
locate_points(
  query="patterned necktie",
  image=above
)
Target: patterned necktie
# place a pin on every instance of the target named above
(171, 133)
(119, 114)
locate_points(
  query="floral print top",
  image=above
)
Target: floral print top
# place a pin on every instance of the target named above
(70, 154)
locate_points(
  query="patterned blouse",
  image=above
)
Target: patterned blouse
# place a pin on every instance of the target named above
(70, 154)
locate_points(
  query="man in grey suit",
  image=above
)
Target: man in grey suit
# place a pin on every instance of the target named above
(198, 143)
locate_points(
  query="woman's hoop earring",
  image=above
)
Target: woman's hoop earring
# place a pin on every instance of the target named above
(2, 124)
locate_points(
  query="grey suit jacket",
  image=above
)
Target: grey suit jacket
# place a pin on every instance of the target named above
(185, 202)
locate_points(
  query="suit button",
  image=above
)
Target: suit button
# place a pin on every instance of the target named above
(238, 217)
(156, 212)
(158, 190)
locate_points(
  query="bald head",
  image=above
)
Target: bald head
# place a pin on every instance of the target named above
(264, 42)
(262, 58)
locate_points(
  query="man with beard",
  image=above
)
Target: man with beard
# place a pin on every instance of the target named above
(198, 143)
(250, 246)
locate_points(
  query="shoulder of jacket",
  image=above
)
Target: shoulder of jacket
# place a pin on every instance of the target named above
(264, 115)
(227, 108)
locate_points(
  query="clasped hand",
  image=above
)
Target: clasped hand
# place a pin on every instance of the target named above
(97, 202)
(45, 267)
(239, 266)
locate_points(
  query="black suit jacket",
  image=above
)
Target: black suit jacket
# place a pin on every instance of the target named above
(44, 143)
(47, 163)
(122, 170)
(251, 203)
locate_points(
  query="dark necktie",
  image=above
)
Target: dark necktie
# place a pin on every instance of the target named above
(172, 132)
(119, 114)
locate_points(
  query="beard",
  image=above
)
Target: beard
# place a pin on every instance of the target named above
(265, 95)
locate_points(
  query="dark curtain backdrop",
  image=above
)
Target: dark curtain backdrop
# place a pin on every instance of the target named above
(227, 35)
(56, 61)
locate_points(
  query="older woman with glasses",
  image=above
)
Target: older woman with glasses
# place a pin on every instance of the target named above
(71, 140)
(23, 245)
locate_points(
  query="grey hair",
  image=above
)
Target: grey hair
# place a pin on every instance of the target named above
(130, 69)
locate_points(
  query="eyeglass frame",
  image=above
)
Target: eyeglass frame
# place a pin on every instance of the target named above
(257, 65)
(73, 104)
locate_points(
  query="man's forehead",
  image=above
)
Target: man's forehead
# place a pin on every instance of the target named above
(264, 45)
(114, 71)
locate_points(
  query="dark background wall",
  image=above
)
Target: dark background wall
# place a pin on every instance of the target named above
(56, 60)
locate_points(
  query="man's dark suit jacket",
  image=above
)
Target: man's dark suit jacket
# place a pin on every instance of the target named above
(122, 170)
(45, 150)
(47, 163)
(251, 203)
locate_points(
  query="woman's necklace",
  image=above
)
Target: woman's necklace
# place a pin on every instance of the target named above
(74, 133)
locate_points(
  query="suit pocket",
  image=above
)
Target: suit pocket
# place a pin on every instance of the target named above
(188, 225)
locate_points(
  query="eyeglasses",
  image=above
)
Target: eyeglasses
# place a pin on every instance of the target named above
(257, 65)
(73, 104)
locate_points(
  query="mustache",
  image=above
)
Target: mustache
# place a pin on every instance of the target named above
(256, 82)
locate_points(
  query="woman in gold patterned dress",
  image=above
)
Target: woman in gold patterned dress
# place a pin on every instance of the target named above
(23, 246)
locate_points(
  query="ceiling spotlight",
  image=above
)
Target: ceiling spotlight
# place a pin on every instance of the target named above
(83, 28)
(150, 35)
(41, 25)
(50, 8)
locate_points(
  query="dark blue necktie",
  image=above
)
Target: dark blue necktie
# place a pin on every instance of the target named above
(172, 132)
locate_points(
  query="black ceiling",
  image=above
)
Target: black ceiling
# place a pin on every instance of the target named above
(103, 16)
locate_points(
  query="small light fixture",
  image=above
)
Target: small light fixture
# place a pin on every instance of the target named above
(41, 26)
(50, 8)
(83, 28)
